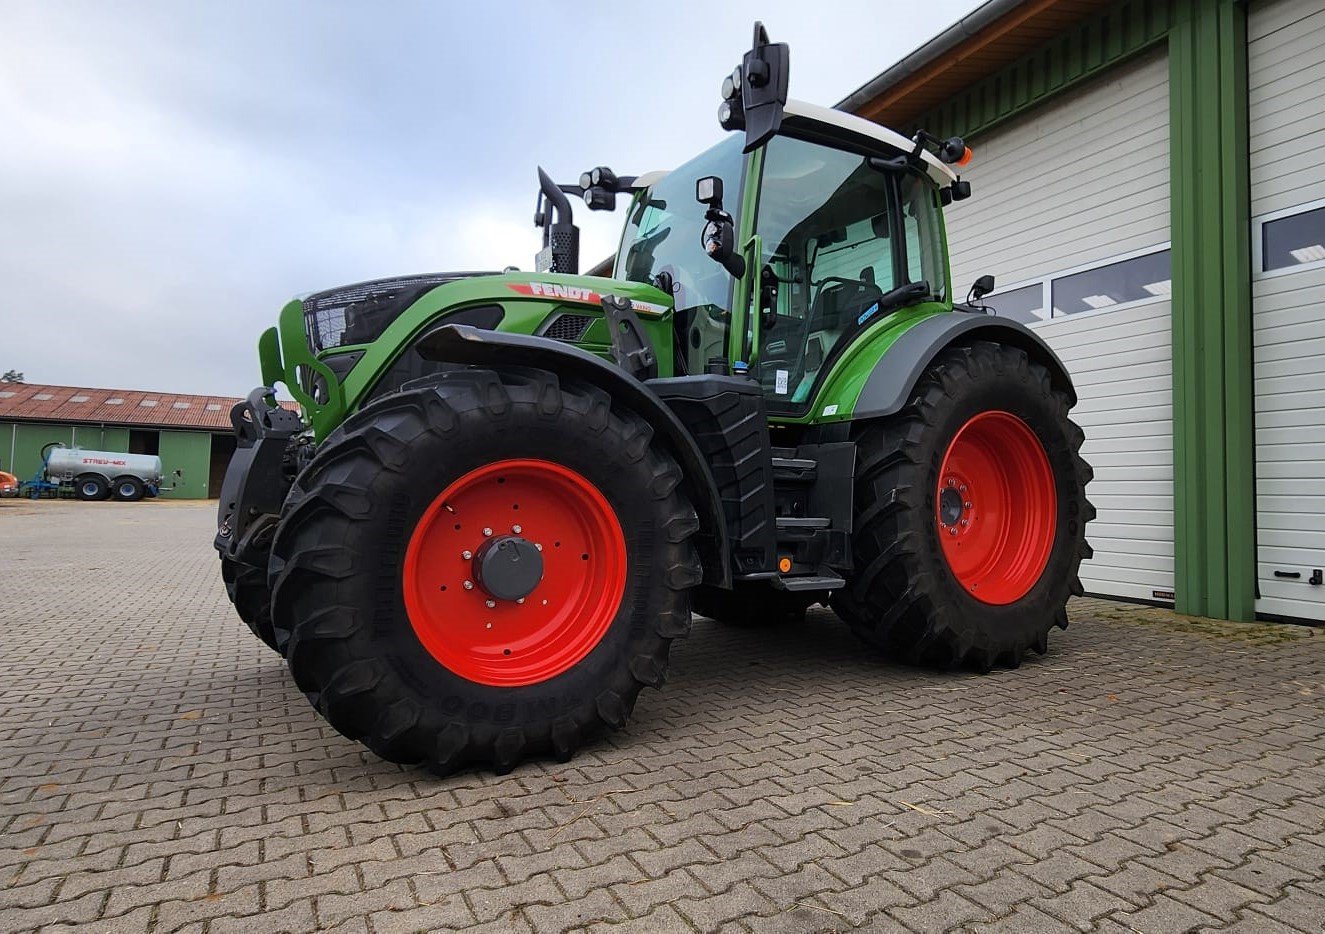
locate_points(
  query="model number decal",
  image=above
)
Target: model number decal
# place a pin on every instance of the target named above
(577, 293)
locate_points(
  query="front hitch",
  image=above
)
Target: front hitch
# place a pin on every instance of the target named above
(258, 478)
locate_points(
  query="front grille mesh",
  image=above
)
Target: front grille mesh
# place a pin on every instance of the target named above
(568, 327)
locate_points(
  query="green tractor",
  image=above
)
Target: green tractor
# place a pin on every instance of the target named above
(507, 492)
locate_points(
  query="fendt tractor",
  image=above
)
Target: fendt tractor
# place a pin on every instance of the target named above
(505, 493)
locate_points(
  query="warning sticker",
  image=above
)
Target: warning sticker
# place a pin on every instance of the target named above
(780, 384)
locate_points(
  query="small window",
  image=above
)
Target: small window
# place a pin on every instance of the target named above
(1293, 241)
(1025, 304)
(213, 407)
(1130, 280)
(79, 398)
(180, 405)
(114, 402)
(148, 403)
(43, 397)
(7, 394)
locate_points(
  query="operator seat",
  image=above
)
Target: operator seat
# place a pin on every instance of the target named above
(836, 309)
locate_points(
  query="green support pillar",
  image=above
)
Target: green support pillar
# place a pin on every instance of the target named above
(1213, 438)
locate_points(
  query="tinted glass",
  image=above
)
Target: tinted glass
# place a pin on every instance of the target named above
(1025, 304)
(662, 235)
(1127, 281)
(924, 242)
(826, 224)
(1292, 241)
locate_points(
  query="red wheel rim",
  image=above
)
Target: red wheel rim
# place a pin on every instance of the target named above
(997, 507)
(507, 642)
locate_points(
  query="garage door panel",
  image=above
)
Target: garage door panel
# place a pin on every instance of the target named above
(1308, 349)
(1148, 494)
(1082, 180)
(1310, 470)
(1079, 336)
(1285, 71)
(1276, 426)
(1278, 600)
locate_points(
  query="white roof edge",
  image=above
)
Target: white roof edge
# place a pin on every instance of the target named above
(939, 172)
(647, 180)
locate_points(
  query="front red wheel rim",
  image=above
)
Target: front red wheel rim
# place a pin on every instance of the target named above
(996, 507)
(509, 641)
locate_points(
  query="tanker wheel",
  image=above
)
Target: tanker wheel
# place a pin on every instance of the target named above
(127, 489)
(246, 586)
(971, 515)
(752, 605)
(483, 567)
(91, 488)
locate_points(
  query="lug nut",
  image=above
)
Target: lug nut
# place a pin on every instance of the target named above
(544, 603)
(469, 585)
(540, 548)
(487, 532)
(516, 529)
(487, 625)
(966, 505)
(521, 600)
(490, 604)
(966, 522)
(466, 555)
(962, 488)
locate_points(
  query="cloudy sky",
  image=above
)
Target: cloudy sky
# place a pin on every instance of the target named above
(170, 173)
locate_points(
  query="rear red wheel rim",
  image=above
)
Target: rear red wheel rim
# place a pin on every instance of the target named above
(509, 642)
(996, 507)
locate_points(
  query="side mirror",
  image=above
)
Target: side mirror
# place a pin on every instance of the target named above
(983, 286)
(754, 95)
(718, 237)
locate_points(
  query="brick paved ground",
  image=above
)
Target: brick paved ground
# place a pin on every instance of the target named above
(159, 772)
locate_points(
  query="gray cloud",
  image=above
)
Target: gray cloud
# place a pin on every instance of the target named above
(171, 173)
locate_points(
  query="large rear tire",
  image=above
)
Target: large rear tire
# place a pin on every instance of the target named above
(971, 514)
(246, 586)
(401, 592)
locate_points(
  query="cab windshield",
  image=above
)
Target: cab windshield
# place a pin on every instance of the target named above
(837, 236)
(661, 241)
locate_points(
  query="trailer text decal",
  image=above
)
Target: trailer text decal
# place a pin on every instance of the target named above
(577, 293)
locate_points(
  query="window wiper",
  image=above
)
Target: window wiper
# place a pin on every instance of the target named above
(897, 298)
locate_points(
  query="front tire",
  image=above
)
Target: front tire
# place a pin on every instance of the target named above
(971, 515)
(406, 627)
(246, 586)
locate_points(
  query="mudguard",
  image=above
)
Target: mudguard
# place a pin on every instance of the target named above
(459, 343)
(889, 385)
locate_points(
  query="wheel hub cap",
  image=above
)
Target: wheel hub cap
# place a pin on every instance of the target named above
(508, 567)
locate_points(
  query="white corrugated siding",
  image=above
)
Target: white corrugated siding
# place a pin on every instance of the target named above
(1286, 72)
(1084, 179)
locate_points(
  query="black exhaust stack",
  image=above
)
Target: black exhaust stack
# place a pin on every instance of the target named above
(561, 238)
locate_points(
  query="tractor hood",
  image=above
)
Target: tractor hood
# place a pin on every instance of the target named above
(330, 347)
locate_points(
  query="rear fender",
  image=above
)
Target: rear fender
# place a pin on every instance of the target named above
(469, 345)
(890, 384)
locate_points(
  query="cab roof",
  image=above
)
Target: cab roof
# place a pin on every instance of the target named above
(828, 126)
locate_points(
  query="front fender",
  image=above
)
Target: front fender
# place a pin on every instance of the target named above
(458, 343)
(896, 373)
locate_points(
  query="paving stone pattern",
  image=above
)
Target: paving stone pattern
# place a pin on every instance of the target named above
(158, 772)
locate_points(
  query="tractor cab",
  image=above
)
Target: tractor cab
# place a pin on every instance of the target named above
(832, 240)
